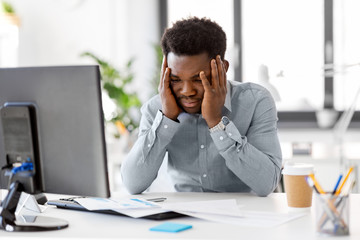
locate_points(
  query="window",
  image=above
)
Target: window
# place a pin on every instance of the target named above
(347, 52)
(285, 39)
(281, 45)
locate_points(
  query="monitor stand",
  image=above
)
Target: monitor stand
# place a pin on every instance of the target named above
(10, 222)
(40, 198)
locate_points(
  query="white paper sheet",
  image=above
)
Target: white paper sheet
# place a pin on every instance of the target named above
(223, 211)
(227, 211)
(249, 218)
(226, 207)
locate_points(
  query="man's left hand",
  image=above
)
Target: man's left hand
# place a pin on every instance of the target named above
(215, 92)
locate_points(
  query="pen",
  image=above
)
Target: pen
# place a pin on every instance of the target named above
(348, 186)
(335, 202)
(324, 219)
(337, 184)
(331, 211)
(327, 212)
(316, 183)
(159, 199)
(342, 184)
(311, 183)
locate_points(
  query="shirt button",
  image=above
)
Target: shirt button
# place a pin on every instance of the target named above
(204, 175)
(230, 134)
(165, 126)
(221, 138)
(149, 145)
(202, 146)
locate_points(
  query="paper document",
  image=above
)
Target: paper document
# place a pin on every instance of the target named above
(133, 207)
(227, 211)
(108, 203)
(250, 218)
(226, 207)
(224, 211)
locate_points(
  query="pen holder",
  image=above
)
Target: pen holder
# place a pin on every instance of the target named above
(332, 214)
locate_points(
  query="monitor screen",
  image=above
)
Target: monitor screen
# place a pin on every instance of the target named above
(70, 126)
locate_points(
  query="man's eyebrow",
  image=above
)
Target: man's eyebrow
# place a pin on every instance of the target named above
(173, 75)
(195, 76)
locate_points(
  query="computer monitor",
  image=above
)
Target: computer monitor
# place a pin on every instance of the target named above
(70, 126)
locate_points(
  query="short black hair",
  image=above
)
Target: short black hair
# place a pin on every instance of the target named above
(194, 36)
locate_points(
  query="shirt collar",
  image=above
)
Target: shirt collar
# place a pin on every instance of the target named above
(227, 103)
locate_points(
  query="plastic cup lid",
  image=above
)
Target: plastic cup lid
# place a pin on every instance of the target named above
(298, 169)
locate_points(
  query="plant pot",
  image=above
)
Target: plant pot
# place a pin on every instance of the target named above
(9, 19)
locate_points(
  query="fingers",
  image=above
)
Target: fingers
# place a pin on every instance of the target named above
(163, 64)
(166, 78)
(162, 72)
(221, 72)
(214, 74)
(218, 73)
(215, 92)
(205, 81)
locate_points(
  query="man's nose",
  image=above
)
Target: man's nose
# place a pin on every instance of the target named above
(188, 89)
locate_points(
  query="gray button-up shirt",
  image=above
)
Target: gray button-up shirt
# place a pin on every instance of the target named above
(245, 157)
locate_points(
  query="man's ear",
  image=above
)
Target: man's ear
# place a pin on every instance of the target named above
(226, 63)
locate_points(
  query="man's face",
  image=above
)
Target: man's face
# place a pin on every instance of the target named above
(185, 81)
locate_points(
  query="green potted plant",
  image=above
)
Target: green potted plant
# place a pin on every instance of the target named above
(115, 83)
(7, 14)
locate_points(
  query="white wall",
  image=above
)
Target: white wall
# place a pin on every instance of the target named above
(56, 32)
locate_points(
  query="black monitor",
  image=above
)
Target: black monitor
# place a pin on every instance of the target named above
(67, 104)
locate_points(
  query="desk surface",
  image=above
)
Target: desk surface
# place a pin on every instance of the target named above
(103, 226)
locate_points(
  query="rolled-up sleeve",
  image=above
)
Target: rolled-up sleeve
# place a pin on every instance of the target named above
(141, 166)
(255, 157)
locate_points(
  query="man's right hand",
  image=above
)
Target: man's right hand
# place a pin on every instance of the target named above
(170, 108)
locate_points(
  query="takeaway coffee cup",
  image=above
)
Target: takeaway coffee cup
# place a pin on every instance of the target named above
(298, 192)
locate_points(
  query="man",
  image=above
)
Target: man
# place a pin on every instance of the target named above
(220, 136)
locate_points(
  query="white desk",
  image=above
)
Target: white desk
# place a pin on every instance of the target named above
(102, 226)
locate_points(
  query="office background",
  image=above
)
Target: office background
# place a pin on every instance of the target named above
(305, 52)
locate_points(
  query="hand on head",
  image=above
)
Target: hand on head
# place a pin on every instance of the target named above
(215, 92)
(195, 85)
(170, 108)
